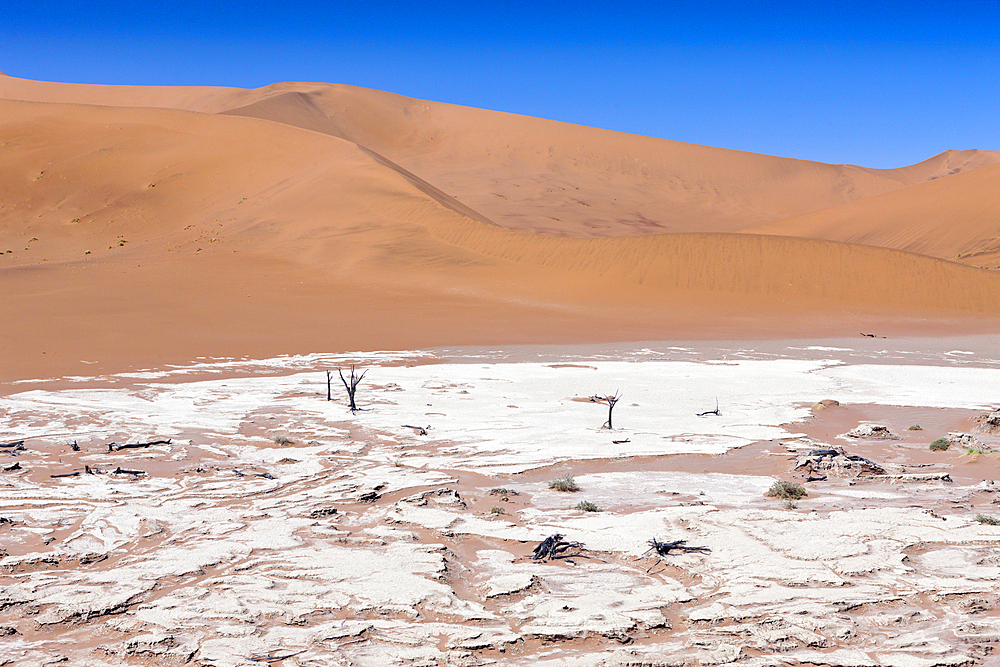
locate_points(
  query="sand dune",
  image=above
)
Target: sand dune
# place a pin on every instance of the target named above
(538, 175)
(142, 235)
(956, 218)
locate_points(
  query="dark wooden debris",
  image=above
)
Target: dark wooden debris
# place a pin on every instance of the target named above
(369, 497)
(114, 447)
(125, 471)
(323, 512)
(711, 412)
(273, 657)
(17, 445)
(75, 447)
(620, 442)
(420, 430)
(266, 475)
(75, 473)
(12, 467)
(664, 548)
(554, 547)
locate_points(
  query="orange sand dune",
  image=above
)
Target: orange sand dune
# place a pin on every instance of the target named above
(955, 218)
(141, 236)
(538, 175)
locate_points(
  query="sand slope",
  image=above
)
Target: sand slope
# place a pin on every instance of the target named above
(141, 235)
(955, 218)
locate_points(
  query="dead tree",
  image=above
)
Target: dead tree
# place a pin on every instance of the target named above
(351, 387)
(611, 399)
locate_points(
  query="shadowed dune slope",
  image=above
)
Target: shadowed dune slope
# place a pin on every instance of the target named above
(955, 218)
(150, 235)
(538, 175)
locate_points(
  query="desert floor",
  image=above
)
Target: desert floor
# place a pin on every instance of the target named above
(271, 526)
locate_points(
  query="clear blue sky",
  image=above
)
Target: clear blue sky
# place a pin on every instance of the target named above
(882, 84)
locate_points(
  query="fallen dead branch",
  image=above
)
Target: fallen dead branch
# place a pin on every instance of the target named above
(17, 444)
(555, 547)
(124, 471)
(272, 657)
(114, 447)
(12, 467)
(711, 412)
(664, 548)
(419, 430)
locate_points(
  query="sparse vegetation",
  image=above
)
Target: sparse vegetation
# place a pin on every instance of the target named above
(784, 490)
(790, 505)
(940, 445)
(915, 427)
(988, 520)
(974, 451)
(565, 483)
(283, 440)
(587, 506)
(497, 510)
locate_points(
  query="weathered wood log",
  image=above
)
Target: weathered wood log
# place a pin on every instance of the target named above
(420, 430)
(114, 447)
(17, 444)
(12, 467)
(124, 471)
(66, 474)
(273, 657)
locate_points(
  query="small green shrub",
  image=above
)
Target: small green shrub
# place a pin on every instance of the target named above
(587, 506)
(988, 520)
(940, 445)
(565, 483)
(790, 505)
(974, 451)
(497, 510)
(786, 490)
(915, 427)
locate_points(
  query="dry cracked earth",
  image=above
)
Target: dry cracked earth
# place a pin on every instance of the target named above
(301, 542)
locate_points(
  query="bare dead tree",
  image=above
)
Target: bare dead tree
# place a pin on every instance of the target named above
(351, 387)
(611, 399)
(329, 389)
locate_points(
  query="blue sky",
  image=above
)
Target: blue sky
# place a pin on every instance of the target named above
(881, 84)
